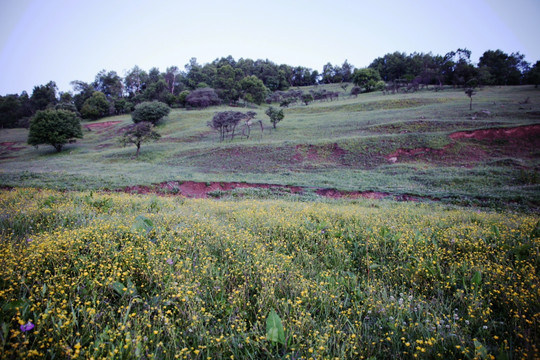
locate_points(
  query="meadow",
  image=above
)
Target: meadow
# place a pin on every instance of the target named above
(90, 268)
(351, 144)
(106, 275)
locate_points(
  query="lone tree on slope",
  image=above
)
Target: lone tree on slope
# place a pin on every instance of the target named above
(55, 128)
(274, 115)
(139, 133)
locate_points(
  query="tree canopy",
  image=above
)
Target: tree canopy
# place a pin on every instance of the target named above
(139, 133)
(150, 111)
(226, 80)
(54, 127)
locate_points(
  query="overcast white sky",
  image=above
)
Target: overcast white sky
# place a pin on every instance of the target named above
(65, 40)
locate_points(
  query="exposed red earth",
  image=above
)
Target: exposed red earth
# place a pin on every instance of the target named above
(471, 153)
(519, 132)
(10, 146)
(201, 190)
(100, 126)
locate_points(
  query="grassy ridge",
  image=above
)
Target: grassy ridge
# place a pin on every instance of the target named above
(126, 276)
(341, 144)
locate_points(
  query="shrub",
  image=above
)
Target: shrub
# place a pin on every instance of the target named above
(151, 111)
(202, 98)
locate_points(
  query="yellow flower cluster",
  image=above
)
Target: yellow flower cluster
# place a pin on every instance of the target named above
(128, 276)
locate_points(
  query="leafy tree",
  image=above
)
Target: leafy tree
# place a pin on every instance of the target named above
(253, 89)
(83, 92)
(182, 98)
(201, 98)
(505, 69)
(95, 107)
(470, 93)
(226, 122)
(157, 91)
(346, 72)
(54, 127)
(109, 83)
(356, 90)
(139, 133)
(366, 78)
(135, 81)
(10, 110)
(275, 115)
(307, 98)
(171, 77)
(44, 96)
(150, 111)
(227, 83)
(533, 76)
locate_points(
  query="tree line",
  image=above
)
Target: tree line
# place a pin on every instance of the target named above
(229, 81)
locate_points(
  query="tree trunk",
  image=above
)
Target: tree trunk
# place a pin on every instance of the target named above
(138, 149)
(58, 147)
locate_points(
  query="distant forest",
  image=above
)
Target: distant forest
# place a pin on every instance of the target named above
(228, 81)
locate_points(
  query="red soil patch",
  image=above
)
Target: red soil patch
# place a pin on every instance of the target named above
(499, 133)
(100, 126)
(414, 152)
(318, 153)
(192, 189)
(10, 146)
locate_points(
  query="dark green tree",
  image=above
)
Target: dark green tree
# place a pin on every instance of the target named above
(470, 93)
(139, 133)
(366, 78)
(202, 98)
(227, 83)
(134, 81)
(504, 69)
(533, 75)
(253, 89)
(307, 98)
(150, 111)
(109, 83)
(54, 127)
(44, 96)
(95, 107)
(275, 115)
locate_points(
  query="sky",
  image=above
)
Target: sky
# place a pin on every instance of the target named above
(66, 40)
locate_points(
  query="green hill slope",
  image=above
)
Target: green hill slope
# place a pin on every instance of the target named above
(397, 144)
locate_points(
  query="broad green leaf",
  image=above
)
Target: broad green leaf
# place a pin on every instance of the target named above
(480, 350)
(536, 231)
(477, 278)
(274, 328)
(142, 223)
(118, 287)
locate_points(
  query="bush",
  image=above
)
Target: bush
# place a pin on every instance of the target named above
(95, 107)
(54, 127)
(151, 111)
(202, 98)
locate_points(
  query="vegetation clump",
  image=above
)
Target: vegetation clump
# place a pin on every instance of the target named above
(139, 133)
(150, 111)
(54, 127)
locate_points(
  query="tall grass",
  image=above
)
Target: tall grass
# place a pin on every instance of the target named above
(103, 275)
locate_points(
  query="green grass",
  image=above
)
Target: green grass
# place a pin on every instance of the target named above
(365, 130)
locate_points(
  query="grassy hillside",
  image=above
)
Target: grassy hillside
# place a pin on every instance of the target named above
(397, 144)
(124, 276)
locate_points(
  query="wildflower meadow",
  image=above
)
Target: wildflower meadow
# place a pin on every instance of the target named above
(109, 275)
